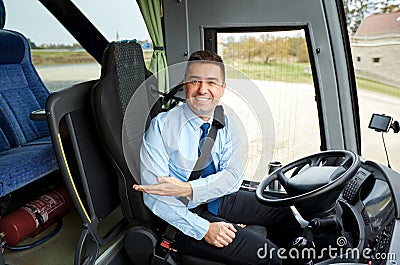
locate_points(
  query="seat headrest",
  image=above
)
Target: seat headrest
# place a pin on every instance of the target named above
(12, 47)
(2, 14)
(123, 61)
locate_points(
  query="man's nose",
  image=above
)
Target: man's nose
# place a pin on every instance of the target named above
(202, 87)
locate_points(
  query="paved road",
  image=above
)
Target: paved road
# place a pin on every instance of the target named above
(59, 76)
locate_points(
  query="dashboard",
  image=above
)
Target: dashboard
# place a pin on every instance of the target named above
(359, 222)
(369, 213)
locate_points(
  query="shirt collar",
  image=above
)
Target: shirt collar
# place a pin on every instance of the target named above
(193, 119)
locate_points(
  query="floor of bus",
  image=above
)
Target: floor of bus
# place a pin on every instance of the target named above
(60, 249)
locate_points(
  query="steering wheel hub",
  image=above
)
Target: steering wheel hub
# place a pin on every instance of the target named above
(314, 179)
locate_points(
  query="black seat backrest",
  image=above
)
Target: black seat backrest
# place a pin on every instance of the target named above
(80, 154)
(123, 78)
(86, 169)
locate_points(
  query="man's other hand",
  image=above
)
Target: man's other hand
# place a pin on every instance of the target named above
(167, 186)
(220, 234)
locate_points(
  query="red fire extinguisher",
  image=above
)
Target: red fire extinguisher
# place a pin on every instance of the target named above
(35, 216)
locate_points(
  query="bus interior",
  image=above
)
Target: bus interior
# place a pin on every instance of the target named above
(310, 138)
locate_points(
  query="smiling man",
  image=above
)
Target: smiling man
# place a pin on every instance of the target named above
(204, 85)
(171, 146)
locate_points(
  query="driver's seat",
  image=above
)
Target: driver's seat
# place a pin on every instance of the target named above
(123, 72)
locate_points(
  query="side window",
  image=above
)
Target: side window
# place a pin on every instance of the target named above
(278, 64)
(59, 60)
(378, 83)
(118, 21)
(57, 56)
(379, 98)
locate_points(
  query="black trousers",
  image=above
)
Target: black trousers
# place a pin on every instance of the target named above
(247, 247)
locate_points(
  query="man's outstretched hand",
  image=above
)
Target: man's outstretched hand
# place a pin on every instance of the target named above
(167, 186)
(220, 234)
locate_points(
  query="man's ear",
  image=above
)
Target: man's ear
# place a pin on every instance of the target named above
(223, 89)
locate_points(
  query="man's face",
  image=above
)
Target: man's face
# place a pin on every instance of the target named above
(204, 86)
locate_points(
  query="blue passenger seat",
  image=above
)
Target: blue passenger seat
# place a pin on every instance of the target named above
(26, 152)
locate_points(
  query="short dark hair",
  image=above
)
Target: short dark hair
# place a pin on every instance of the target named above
(206, 57)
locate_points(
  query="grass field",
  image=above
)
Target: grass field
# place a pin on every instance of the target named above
(283, 72)
(43, 57)
(299, 73)
(47, 57)
(377, 87)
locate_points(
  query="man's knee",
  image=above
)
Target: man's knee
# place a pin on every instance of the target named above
(267, 254)
(256, 249)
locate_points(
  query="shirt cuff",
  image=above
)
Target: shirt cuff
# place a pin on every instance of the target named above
(199, 190)
(201, 227)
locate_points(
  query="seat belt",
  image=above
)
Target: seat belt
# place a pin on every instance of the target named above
(218, 123)
(163, 249)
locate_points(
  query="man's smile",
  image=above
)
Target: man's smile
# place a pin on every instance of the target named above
(203, 98)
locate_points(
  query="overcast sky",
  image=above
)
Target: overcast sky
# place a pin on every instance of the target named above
(110, 16)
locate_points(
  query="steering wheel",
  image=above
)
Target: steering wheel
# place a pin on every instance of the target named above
(326, 171)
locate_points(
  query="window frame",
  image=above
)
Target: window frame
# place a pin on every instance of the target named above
(210, 43)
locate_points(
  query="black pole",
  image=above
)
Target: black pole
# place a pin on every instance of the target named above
(78, 25)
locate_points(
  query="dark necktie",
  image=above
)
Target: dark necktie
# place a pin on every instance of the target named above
(209, 169)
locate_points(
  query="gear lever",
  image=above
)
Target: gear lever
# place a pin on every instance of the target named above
(300, 244)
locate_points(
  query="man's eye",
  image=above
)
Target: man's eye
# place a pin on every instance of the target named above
(195, 81)
(212, 83)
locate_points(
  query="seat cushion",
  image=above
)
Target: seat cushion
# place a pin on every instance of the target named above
(26, 152)
(21, 90)
(17, 101)
(40, 141)
(4, 144)
(22, 165)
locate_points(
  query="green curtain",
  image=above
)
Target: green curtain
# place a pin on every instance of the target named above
(151, 12)
(2, 14)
